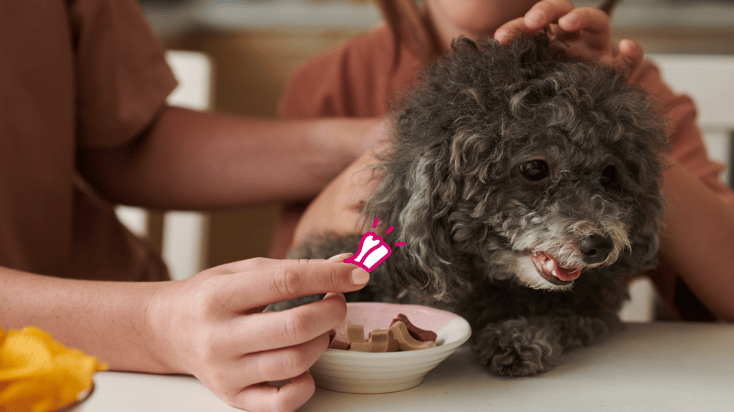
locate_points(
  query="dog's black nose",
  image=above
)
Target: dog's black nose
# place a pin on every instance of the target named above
(596, 248)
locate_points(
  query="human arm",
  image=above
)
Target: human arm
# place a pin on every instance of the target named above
(197, 160)
(698, 239)
(210, 325)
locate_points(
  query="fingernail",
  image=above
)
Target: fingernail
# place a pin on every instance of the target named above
(360, 276)
(339, 258)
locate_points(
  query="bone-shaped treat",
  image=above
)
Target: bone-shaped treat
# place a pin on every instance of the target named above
(407, 342)
(402, 335)
(336, 343)
(422, 335)
(380, 340)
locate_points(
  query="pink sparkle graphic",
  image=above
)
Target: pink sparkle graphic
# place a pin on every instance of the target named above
(373, 250)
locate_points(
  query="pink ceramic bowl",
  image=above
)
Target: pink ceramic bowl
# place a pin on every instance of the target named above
(361, 372)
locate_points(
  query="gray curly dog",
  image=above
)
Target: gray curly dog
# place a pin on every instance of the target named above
(524, 185)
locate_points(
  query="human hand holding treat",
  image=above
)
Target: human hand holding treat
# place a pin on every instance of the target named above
(221, 335)
(584, 32)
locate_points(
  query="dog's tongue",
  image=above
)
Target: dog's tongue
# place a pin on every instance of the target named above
(566, 275)
(550, 268)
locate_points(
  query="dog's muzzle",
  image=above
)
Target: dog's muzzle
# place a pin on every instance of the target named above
(596, 248)
(548, 267)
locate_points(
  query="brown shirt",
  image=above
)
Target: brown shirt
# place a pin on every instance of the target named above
(360, 79)
(73, 74)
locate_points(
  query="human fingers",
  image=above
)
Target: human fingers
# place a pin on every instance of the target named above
(538, 18)
(585, 18)
(240, 292)
(630, 56)
(505, 33)
(278, 364)
(593, 22)
(266, 397)
(285, 328)
(264, 263)
(546, 12)
(266, 366)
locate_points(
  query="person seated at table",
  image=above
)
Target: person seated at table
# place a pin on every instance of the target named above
(84, 125)
(696, 275)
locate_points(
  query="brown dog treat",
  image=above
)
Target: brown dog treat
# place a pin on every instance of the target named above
(355, 334)
(338, 344)
(381, 340)
(392, 344)
(408, 342)
(363, 347)
(419, 334)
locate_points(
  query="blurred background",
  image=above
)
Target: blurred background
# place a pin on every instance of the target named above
(256, 44)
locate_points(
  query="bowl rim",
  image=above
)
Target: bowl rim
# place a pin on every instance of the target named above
(445, 347)
(82, 397)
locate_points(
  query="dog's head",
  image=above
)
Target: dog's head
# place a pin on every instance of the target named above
(513, 162)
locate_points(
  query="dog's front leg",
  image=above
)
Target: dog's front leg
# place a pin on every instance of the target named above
(528, 346)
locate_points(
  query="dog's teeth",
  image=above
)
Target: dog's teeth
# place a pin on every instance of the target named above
(550, 265)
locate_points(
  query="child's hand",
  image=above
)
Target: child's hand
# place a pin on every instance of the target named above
(585, 30)
(212, 326)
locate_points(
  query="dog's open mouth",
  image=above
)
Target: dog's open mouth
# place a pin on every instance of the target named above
(551, 271)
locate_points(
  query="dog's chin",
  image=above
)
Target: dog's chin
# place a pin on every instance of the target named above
(540, 271)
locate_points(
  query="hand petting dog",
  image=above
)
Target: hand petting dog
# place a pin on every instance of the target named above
(584, 31)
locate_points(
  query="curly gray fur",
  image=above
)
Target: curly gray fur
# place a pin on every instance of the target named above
(506, 163)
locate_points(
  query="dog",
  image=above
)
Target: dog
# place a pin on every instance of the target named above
(525, 185)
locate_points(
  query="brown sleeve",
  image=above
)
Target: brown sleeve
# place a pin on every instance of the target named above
(317, 89)
(356, 79)
(328, 84)
(123, 78)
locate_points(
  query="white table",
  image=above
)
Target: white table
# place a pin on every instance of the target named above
(647, 367)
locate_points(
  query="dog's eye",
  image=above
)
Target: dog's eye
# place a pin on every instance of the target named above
(535, 170)
(608, 178)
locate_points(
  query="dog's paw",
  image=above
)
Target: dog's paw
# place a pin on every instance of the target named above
(515, 348)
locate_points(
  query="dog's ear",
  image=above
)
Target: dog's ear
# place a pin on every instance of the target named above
(416, 196)
(644, 242)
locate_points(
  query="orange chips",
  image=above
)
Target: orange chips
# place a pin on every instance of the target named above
(39, 374)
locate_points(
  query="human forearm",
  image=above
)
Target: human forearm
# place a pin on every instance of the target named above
(210, 325)
(105, 319)
(196, 160)
(698, 240)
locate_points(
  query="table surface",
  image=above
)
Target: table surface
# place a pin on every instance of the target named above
(646, 367)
